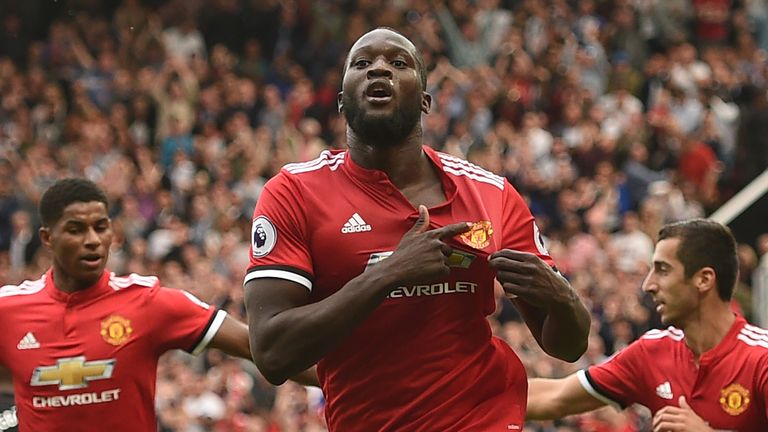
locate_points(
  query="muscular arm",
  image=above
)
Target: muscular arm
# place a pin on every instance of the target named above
(550, 399)
(289, 334)
(561, 330)
(233, 339)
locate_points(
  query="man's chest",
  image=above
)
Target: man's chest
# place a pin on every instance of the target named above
(59, 348)
(723, 393)
(351, 235)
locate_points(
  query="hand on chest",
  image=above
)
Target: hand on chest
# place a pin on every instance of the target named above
(351, 240)
(725, 401)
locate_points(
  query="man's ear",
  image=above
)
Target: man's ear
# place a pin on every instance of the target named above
(705, 279)
(339, 103)
(426, 102)
(45, 236)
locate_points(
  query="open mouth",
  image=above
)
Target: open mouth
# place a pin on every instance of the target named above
(379, 92)
(91, 259)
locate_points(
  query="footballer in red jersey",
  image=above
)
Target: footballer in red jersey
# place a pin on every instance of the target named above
(379, 264)
(82, 345)
(708, 372)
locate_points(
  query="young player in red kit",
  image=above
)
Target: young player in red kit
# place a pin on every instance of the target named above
(364, 261)
(81, 344)
(707, 373)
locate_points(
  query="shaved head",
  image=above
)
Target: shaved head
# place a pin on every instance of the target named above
(397, 37)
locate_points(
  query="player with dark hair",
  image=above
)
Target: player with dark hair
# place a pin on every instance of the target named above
(82, 344)
(387, 279)
(708, 371)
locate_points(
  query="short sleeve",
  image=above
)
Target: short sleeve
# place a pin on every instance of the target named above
(183, 321)
(519, 230)
(279, 247)
(615, 381)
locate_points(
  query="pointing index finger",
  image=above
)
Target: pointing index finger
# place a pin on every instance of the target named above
(452, 230)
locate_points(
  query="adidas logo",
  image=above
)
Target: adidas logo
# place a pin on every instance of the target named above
(664, 390)
(355, 224)
(28, 342)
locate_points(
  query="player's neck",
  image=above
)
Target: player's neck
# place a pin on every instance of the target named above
(404, 163)
(65, 283)
(708, 328)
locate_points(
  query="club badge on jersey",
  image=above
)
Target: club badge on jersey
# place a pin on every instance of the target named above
(479, 236)
(116, 330)
(734, 399)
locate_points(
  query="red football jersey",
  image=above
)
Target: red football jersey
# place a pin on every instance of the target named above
(87, 361)
(425, 360)
(727, 388)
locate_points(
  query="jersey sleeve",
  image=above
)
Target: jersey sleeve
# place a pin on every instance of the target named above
(616, 381)
(183, 321)
(279, 247)
(519, 230)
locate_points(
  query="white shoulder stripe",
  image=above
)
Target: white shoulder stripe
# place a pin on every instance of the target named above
(324, 155)
(25, 288)
(455, 162)
(469, 166)
(751, 342)
(671, 333)
(752, 335)
(333, 164)
(675, 331)
(325, 159)
(478, 173)
(481, 179)
(120, 282)
(756, 329)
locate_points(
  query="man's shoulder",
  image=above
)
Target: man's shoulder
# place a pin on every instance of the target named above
(467, 172)
(11, 293)
(668, 335)
(658, 341)
(327, 163)
(753, 339)
(134, 283)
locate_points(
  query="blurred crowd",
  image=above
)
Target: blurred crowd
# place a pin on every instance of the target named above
(610, 117)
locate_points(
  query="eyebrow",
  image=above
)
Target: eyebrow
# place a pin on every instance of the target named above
(80, 222)
(389, 50)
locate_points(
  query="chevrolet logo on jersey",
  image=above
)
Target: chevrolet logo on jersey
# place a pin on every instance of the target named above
(72, 372)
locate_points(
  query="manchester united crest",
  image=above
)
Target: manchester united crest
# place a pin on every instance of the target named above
(116, 330)
(479, 236)
(734, 399)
